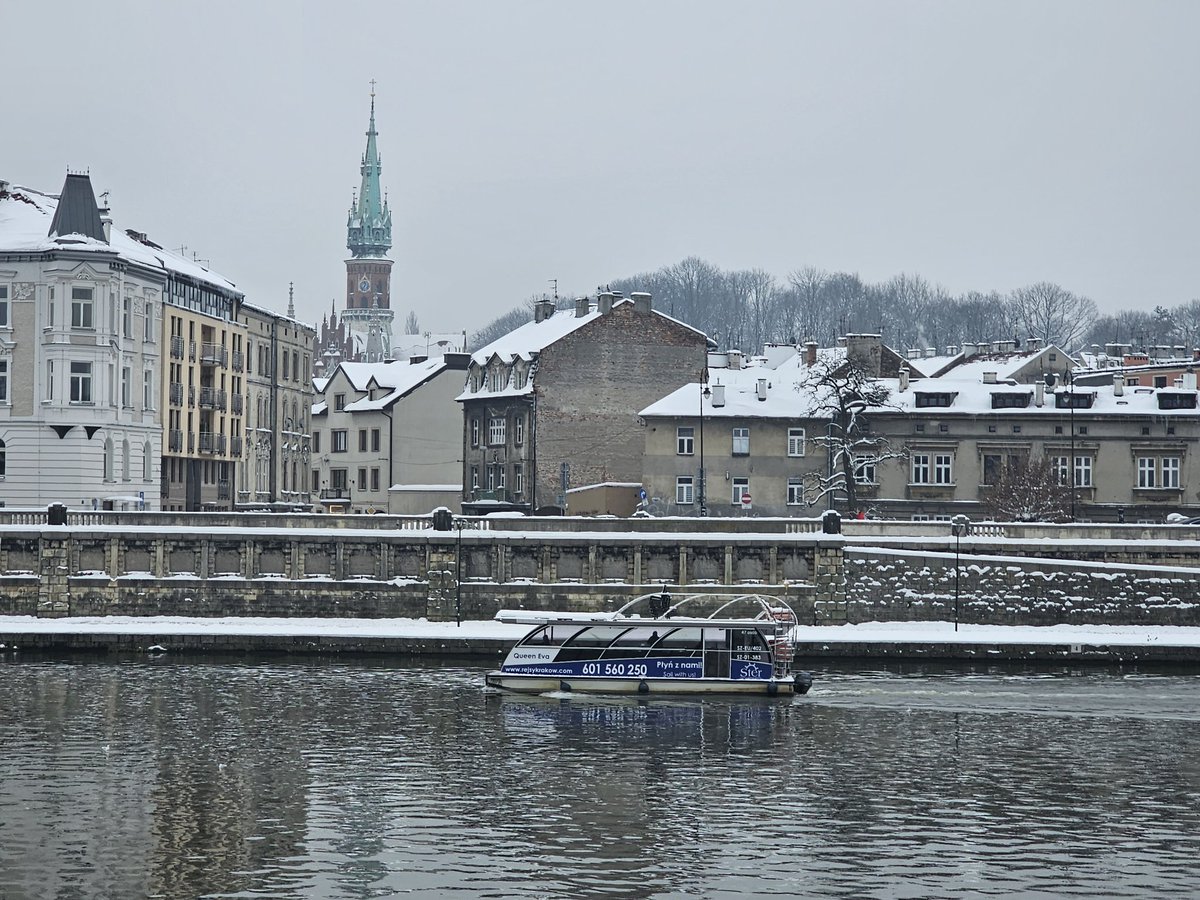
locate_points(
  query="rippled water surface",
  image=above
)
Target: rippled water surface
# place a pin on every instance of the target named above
(177, 779)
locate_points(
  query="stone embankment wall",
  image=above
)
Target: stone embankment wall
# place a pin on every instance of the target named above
(61, 571)
(889, 585)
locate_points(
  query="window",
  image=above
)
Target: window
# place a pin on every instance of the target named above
(148, 389)
(126, 387)
(3, 459)
(295, 366)
(316, 473)
(795, 492)
(148, 333)
(491, 478)
(502, 472)
(283, 367)
(362, 479)
(919, 428)
(362, 440)
(1083, 429)
(339, 402)
(1170, 471)
(339, 440)
(920, 468)
(1016, 429)
(943, 427)
(375, 479)
(1083, 471)
(942, 472)
(1059, 465)
(938, 399)
(81, 382)
(1145, 472)
(518, 479)
(3, 380)
(498, 380)
(741, 487)
(474, 477)
(49, 379)
(685, 441)
(374, 440)
(81, 308)
(684, 495)
(519, 430)
(316, 436)
(741, 442)
(1058, 429)
(496, 431)
(108, 460)
(3, 305)
(125, 460)
(795, 442)
(1160, 381)
(474, 432)
(127, 317)
(864, 470)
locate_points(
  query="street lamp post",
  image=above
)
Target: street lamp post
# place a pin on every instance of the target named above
(959, 525)
(458, 576)
(1074, 470)
(704, 393)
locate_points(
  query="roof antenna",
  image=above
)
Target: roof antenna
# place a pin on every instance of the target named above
(291, 303)
(554, 281)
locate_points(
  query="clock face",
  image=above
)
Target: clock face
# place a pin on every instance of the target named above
(365, 284)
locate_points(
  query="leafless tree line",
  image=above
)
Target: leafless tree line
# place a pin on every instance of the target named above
(746, 308)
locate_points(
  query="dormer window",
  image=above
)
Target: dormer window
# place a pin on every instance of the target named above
(497, 380)
(927, 399)
(1010, 400)
(1074, 400)
(1182, 400)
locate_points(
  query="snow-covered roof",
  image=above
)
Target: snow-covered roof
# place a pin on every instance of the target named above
(783, 390)
(406, 346)
(427, 488)
(1006, 364)
(529, 339)
(393, 380)
(25, 219)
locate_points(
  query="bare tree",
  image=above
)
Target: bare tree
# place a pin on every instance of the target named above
(410, 324)
(1053, 314)
(841, 391)
(1027, 490)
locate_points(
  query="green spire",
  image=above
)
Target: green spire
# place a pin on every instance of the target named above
(369, 225)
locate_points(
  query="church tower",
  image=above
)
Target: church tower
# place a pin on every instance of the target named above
(368, 314)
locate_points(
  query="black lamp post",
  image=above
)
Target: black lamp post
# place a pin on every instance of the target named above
(704, 393)
(1074, 470)
(458, 575)
(959, 525)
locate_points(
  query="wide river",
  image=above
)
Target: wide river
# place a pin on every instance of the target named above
(300, 778)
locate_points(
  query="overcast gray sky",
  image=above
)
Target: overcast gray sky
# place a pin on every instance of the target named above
(981, 145)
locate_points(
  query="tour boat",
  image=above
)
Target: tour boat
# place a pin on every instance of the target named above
(730, 644)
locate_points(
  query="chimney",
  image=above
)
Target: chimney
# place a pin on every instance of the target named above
(1178, 351)
(866, 350)
(762, 388)
(582, 307)
(989, 377)
(735, 359)
(718, 395)
(542, 310)
(641, 303)
(968, 348)
(914, 353)
(810, 353)
(930, 352)
(604, 302)
(903, 379)
(952, 350)
(1189, 379)
(1033, 343)
(1118, 385)
(1039, 394)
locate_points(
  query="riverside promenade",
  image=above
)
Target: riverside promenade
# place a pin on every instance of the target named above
(488, 640)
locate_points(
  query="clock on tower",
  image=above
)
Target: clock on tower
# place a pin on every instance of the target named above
(364, 284)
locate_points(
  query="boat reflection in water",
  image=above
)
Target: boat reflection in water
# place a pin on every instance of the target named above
(719, 644)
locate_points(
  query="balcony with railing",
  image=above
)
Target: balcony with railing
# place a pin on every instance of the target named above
(336, 494)
(239, 360)
(191, 351)
(176, 393)
(236, 404)
(212, 442)
(223, 490)
(175, 440)
(213, 398)
(213, 354)
(235, 446)
(191, 442)
(191, 395)
(176, 346)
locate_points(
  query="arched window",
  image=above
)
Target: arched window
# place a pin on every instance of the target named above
(125, 459)
(147, 462)
(285, 481)
(108, 459)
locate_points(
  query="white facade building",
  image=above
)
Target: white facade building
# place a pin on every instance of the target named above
(80, 354)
